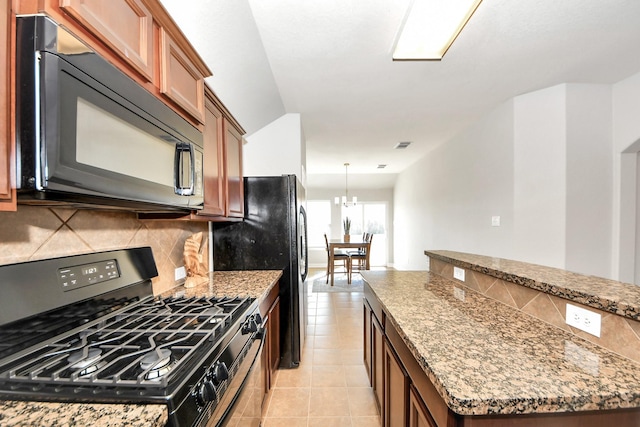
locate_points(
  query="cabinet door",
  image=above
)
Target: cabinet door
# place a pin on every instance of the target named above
(396, 390)
(126, 26)
(418, 413)
(377, 345)
(180, 80)
(7, 194)
(234, 178)
(368, 351)
(213, 162)
(274, 336)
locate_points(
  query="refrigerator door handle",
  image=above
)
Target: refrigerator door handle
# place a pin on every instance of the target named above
(304, 251)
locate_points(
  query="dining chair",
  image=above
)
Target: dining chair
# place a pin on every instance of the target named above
(339, 256)
(361, 256)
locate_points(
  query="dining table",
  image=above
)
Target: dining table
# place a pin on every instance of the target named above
(353, 243)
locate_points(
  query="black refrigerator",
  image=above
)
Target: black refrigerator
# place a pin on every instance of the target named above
(272, 236)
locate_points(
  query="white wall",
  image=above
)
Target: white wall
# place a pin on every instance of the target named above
(278, 148)
(589, 179)
(446, 200)
(539, 177)
(541, 161)
(626, 137)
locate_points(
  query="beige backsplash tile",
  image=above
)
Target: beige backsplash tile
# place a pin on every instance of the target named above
(35, 232)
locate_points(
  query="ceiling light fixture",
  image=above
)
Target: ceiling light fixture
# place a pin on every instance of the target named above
(345, 199)
(430, 28)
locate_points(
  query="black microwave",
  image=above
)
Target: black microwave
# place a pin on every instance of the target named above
(88, 135)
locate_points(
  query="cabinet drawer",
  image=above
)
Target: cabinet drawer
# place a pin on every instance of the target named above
(180, 80)
(126, 26)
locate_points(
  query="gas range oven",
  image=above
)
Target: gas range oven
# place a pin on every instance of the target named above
(87, 328)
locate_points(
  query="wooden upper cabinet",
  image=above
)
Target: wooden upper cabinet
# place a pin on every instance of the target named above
(141, 39)
(223, 179)
(234, 177)
(126, 26)
(214, 188)
(7, 193)
(180, 80)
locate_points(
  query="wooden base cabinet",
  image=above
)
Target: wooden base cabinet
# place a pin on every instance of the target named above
(374, 354)
(367, 349)
(418, 414)
(409, 398)
(270, 358)
(396, 390)
(377, 347)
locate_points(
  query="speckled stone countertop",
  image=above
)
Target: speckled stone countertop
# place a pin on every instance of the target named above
(46, 414)
(620, 298)
(485, 357)
(254, 283)
(41, 414)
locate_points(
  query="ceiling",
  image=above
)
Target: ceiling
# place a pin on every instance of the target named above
(330, 61)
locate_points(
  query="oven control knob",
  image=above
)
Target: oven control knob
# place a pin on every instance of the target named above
(206, 392)
(250, 326)
(219, 373)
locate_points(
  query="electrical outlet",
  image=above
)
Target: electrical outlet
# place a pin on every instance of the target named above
(180, 273)
(495, 221)
(458, 273)
(584, 320)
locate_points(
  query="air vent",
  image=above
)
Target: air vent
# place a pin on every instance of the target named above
(382, 166)
(402, 145)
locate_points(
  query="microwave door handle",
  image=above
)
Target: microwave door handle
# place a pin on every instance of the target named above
(181, 188)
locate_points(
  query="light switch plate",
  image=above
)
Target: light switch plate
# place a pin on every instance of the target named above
(495, 221)
(458, 273)
(583, 319)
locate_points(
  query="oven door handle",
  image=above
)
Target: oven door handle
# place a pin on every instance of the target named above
(184, 170)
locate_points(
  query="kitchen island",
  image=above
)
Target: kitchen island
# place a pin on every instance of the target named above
(456, 356)
(256, 284)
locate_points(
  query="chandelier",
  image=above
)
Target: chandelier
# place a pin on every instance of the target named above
(345, 199)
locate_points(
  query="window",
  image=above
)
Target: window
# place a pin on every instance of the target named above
(318, 221)
(370, 217)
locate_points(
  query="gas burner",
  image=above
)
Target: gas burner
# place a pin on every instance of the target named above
(211, 311)
(86, 332)
(85, 360)
(158, 362)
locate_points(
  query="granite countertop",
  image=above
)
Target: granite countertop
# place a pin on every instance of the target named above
(254, 283)
(50, 414)
(616, 297)
(485, 357)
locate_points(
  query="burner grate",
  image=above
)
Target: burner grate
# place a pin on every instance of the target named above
(144, 344)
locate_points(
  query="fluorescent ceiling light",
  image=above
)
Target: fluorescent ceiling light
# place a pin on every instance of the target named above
(431, 26)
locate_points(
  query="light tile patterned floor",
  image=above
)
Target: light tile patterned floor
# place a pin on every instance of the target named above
(330, 388)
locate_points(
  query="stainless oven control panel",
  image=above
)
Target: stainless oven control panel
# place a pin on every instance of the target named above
(79, 276)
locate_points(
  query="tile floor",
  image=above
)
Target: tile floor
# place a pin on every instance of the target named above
(330, 387)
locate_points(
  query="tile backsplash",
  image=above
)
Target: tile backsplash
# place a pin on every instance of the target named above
(35, 232)
(619, 334)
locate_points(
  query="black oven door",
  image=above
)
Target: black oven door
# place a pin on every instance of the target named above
(87, 129)
(242, 402)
